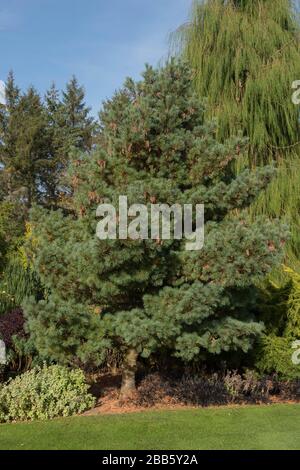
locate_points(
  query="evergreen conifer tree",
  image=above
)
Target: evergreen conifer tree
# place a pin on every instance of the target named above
(8, 134)
(30, 166)
(70, 127)
(77, 120)
(59, 136)
(141, 296)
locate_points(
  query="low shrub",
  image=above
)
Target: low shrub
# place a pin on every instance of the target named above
(201, 390)
(188, 390)
(44, 393)
(153, 389)
(11, 324)
(21, 352)
(213, 389)
(275, 355)
(285, 389)
(247, 387)
(280, 311)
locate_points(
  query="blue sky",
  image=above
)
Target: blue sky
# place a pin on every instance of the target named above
(100, 41)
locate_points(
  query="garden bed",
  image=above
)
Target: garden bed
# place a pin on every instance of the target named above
(159, 392)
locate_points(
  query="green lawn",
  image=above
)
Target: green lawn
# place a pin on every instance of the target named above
(253, 427)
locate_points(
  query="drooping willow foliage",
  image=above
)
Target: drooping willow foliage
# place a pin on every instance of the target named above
(246, 55)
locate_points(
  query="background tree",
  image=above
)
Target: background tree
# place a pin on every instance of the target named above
(36, 137)
(77, 120)
(7, 134)
(71, 127)
(25, 153)
(245, 56)
(144, 295)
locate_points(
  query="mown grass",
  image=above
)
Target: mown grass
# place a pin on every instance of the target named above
(251, 427)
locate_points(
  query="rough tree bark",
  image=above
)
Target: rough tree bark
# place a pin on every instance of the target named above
(128, 373)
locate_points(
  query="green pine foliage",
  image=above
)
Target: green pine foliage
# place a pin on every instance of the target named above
(141, 296)
(245, 56)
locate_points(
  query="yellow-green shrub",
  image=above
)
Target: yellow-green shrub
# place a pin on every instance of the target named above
(44, 393)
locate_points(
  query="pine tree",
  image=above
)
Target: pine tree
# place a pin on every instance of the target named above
(36, 138)
(77, 120)
(246, 55)
(14, 277)
(8, 134)
(59, 136)
(29, 166)
(70, 127)
(12, 92)
(141, 296)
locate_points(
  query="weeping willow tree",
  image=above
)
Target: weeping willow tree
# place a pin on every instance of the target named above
(246, 55)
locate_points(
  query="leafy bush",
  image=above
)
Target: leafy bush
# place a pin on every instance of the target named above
(247, 387)
(286, 390)
(202, 390)
(213, 389)
(21, 352)
(44, 393)
(276, 356)
(280, 308)
(11, 323)
(153, 389)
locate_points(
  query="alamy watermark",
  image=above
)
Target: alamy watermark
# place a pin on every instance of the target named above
(296, 93)
(2, 353)
(155, 221)
(296, 354)
(296, 101)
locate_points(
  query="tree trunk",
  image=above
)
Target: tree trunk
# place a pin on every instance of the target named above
(128, 374)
